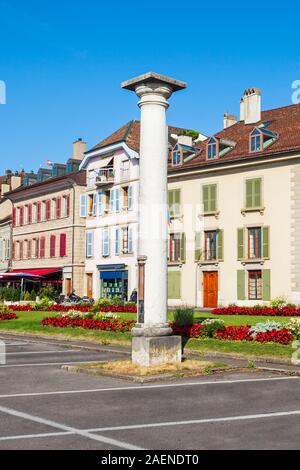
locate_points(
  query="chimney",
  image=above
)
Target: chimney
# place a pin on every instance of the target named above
(229, 120)
(15, 182)
(250, 109)
(185, 140)
(79, 148)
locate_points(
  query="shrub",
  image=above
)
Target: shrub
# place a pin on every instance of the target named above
(278, 302)
(265, 327)
(9, 294)
(211, 326)
(27, 296)
(114, 326)
(183, 316)
(294, 327)
(47, 292)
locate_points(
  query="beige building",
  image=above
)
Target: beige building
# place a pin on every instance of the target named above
(8, 182)
(235, 211)
(48, 234)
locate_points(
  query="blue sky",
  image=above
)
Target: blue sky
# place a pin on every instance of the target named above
(63, 61)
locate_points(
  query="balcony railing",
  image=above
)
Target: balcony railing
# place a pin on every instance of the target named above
(105, 176)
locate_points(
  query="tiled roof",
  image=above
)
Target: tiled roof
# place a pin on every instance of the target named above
(285, 121)
(130, 134)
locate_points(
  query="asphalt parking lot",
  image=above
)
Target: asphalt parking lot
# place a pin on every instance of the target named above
(45, 407)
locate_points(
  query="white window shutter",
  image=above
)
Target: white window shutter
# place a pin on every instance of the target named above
(83, 205)
(130, 197)
(95, 204)
(130, 240)
(100, 203)
(117, 200)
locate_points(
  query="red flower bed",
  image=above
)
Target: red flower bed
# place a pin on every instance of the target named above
(89, 323)
(8, 316)
(235, 333)
(79, 308)
(265, 311)
(281, 336)
(191, 331)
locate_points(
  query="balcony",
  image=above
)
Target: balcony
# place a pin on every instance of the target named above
(105, 177)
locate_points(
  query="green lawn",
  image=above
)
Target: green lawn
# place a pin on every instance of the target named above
(29, 322)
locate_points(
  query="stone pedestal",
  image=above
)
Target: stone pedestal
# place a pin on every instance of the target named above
(150, 351)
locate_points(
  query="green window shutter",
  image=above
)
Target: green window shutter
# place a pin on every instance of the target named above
(240, 243)
(257, 192)
(182, 248)
(249, 192)
(171, 202)
(241, 285)
(174, 284)
(205, 198)
(266, 242)
(266, 284)
(213, 197)
(220, 243)
(198, 251)
(177, 203)
(209, 198)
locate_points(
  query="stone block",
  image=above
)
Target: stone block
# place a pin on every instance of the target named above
(149, 351)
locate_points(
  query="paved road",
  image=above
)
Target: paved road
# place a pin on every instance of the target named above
(44, 407)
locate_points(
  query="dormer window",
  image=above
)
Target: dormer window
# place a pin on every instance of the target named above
(177, 155)
(212, 150)
(261, 138)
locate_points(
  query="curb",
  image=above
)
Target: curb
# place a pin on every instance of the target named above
(267, 359)
(147, 379)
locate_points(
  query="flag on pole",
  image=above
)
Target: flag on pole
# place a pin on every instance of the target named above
(49, 163)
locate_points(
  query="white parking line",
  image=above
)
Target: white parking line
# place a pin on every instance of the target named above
(148, 425)
(142, 387)
(41, 364)
(63, 427)
(20, 353)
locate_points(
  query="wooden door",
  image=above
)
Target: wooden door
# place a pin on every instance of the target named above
(210, 289)
(89, 285)
(68, 286)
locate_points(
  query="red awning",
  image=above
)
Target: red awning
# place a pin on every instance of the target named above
(37, 272)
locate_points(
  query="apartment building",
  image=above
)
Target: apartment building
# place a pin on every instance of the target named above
(235, 211)
(110, 208)
(47, 233)
(8, 182)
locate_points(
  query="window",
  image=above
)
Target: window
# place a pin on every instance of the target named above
(177, 155)
(37, 248)
(48, 209)
(39, 211)
(21, 253)
(130, 198)
(212, 148)
(254, 242)
(256, 141)
(52, 246)
(63, 245)
(130, 240)
(95, 202)
(261, 138)
(58, 208)
(174, 203)
(21, 215)
(89, 244)
(30, 213)
(125, 240)
(176, 247)
(53, 208)
(83, 205)
(124, 170)
(26, 215)
(90, 204)
(100, 203)
(253, 193)
(255, 285)
(209, 198)
(117, 242)
(42, 247)
(105, 242)
(210, 245)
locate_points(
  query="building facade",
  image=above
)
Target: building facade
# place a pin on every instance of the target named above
(47, 232)
(235, 225)
(8, 182)
(110, 209)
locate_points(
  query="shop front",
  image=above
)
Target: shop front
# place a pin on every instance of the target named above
(113, 281)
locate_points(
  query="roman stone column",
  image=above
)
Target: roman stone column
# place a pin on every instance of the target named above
(153, 91)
